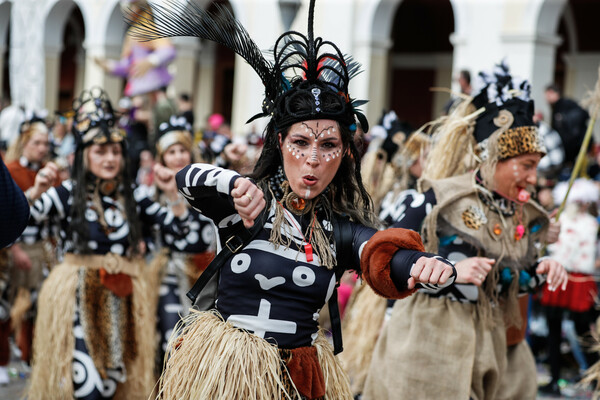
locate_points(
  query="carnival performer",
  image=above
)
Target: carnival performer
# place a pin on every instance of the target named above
(144, 64)
(95, 324)
(484, 221)
(261, 340)
(576, 250)
(185, 258)
(387, 140)
(33, 253)
(367, 311)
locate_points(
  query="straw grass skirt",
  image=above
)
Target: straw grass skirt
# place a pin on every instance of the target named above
(211, 359)
(362, 325)
(54, 341)
(433, 348)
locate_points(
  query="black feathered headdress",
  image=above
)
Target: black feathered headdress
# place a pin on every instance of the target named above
(302, 67)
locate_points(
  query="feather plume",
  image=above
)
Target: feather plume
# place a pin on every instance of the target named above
(172, 18)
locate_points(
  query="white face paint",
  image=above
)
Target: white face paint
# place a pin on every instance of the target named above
(312, 153)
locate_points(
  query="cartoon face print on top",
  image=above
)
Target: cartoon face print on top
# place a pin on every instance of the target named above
(274, 292)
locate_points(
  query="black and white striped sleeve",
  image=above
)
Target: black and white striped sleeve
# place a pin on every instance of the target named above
(207, 188)
(52, 202)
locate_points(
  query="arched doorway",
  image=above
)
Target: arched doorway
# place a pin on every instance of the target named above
(420, 58)
(578, 56)
(223, 73)
(64, 36)
(71, 60)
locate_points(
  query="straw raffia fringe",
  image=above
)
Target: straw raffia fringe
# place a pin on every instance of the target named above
(54, 343)
(21, 305)
(362, 324)
(211, 359)
(140, 373)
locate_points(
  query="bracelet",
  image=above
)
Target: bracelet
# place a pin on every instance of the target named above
(176, 202)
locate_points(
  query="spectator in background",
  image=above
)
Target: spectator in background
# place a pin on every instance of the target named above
(30, 255)
(135, 117)
(14, 214)
(551, 164)
(464, 82)
(11, 119)
(186, 108)
(163, 108)
(569, 120)
(576, 250)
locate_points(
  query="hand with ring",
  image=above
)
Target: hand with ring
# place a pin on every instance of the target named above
(248, 200)
(45, 178)
(473, 270)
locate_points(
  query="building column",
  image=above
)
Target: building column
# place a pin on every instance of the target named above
(531, 57)
(27, 54)
(373, 82)
(184, 66)
(205, 84)
(52, 77)
(95, 76)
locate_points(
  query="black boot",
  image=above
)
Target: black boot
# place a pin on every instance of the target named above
(551, 388)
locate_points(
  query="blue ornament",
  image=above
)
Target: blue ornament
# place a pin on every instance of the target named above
(446, 240)
(506, 276)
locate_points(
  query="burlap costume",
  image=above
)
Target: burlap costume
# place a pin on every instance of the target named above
(454, 353)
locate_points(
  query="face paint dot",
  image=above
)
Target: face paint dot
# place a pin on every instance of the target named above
(327, 159)
(297, 156)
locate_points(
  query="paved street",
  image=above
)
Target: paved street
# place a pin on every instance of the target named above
(15, 389)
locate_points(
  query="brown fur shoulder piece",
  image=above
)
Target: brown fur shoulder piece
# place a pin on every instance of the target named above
(376, 257)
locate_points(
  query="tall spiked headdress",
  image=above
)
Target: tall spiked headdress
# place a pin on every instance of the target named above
(94, 119)
(302, 67)
(507, 115)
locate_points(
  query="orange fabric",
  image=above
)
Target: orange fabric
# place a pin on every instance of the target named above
(119, 284)
(306, 373)
(23, 177)
(201, 260)
(376, 257)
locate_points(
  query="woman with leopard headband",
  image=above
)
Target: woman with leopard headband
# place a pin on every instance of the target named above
(95, 324)
(474, 209)
(261, 338)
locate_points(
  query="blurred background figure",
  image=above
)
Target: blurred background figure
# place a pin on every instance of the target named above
(143, 64)
(33, 253)
(464, 83)
(14, 214)
(185, 108)
(569, 119)
(576, 250)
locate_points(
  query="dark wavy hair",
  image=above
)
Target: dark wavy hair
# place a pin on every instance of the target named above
(347, 192)
(83, 181)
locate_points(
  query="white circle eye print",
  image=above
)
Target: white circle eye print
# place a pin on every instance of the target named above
(91, 215)
(113, 217)
(240, 263)
(303, 276)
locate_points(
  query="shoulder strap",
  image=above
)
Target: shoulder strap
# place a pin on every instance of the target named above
(342, 233)
(237, 241)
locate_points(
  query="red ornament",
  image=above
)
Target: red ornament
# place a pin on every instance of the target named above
(309, 252)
